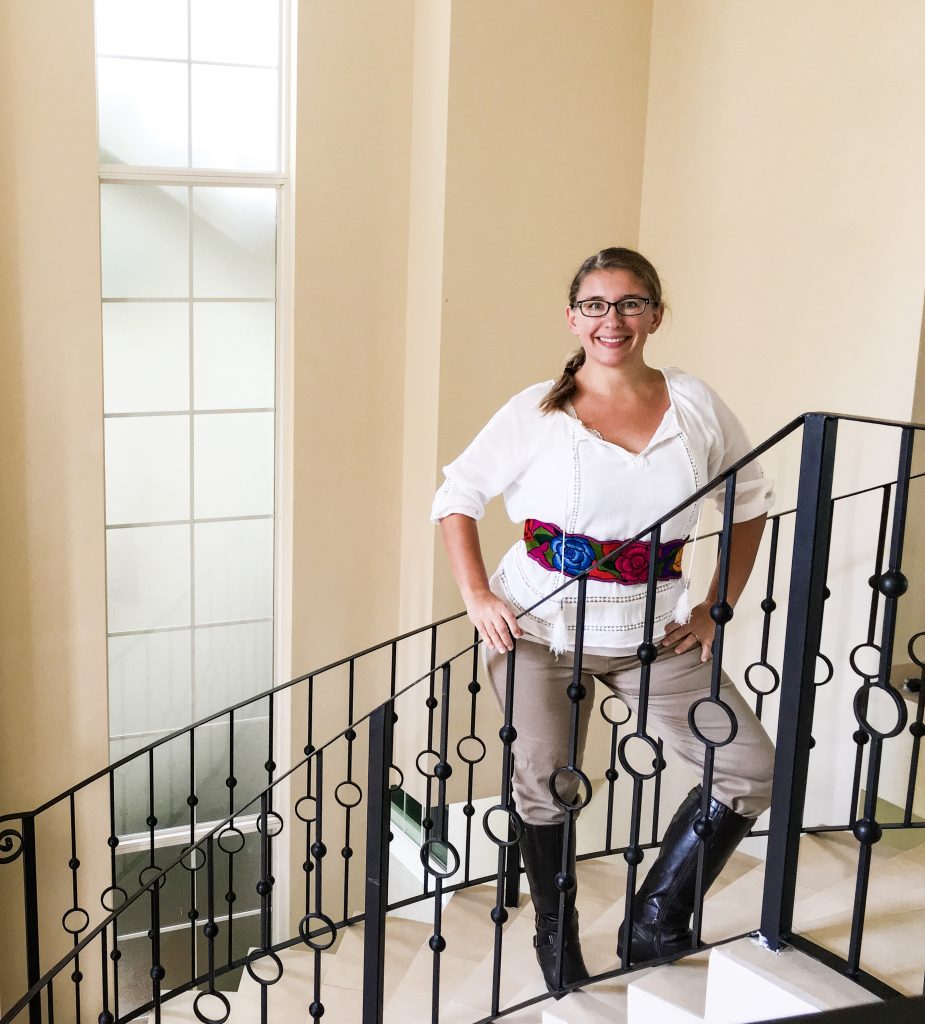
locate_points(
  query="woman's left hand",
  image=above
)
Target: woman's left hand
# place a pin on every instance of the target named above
(698, 632)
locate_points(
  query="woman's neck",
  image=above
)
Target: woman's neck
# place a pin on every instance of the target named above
(612, 381)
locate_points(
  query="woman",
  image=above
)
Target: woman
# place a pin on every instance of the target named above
(586, 462)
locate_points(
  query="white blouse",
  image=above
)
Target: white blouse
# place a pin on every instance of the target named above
(552, 468)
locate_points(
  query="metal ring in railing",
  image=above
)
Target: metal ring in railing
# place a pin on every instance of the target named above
(311, 940)
(200, 1014)
(774, 681)
(254, 962)
(515, 830)
(578, 802)
(698, 731)
(429, 846)
(230, 840)
(306, 809)
(636, 772)
(862, 710)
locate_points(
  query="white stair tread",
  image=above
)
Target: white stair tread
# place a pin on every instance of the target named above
(894, 925)
(672, 994)
(747, 982)
(605, 1002)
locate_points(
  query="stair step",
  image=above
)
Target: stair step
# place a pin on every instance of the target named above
(673, 994)
(605, 1002)
(468, 931)
(894, 925)
(747, 982)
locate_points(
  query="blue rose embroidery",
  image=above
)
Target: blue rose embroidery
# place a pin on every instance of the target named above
(579, 554)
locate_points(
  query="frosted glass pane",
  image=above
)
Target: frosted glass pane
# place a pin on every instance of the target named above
(146, 356)
(233, 465)
(147, 469)
(234, 570)
(235, 31)
(148, 573)
(143, 112)
(149, 682)
(142, 28)
(234, 243)
(145, 241)
(233, 663)
(251, 749)
(171, 786)
(235, 118)
(234, 349)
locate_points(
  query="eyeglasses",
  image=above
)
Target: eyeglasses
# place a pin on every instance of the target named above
(625, 307)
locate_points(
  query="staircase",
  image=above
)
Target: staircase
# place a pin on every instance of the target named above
(731, 983)
(95, 939)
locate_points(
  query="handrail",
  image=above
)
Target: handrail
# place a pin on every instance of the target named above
(703, 492)
(279, 688)
(315, 752)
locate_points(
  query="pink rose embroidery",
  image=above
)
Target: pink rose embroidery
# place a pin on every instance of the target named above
(632, 564)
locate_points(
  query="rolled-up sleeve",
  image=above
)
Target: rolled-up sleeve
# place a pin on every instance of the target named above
(490, 464)
(754, 492)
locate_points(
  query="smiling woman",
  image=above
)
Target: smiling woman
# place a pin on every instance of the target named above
(586, 463)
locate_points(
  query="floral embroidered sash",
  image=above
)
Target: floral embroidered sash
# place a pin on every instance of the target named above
(631, 567)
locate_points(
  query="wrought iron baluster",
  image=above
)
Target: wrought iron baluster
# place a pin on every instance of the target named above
(442, 771)
(309, 937)
(115, 895)
(768, 607)
(427, 821)
(917, 729)
(210, 932)
(860, 737)
(576, 692)
(13, 845)
(615, 718)
(157, 969)
(381, 726)
(647, 652)
(471, 751)
(264, 891)
(499, 914)
(721, 612)
(657, 794)
(76, 919)
(305, 808)
(272, 821)
(105, 1016)
(891, 584)
(348, 787)
(191, 802)
(232, 841)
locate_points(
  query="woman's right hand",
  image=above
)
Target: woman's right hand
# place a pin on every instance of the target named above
(494, 619)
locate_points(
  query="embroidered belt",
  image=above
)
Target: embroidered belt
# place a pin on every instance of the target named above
(630, 567)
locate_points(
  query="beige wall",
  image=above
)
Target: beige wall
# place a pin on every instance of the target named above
(781, 196)
(53, 695)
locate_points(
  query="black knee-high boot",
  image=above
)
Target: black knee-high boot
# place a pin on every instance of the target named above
(664, 903)
(541, 849)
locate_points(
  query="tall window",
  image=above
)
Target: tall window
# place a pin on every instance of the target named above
(192, 168)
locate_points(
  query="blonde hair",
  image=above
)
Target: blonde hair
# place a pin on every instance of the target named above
(614, 258)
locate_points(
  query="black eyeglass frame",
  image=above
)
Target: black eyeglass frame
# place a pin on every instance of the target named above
(616, 305)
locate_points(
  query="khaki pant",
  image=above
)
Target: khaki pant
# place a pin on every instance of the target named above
(742, 769)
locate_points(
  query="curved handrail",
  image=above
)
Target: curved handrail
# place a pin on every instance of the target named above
(703, 492)
(261, 797)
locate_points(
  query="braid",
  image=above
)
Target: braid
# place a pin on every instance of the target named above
(562, 392)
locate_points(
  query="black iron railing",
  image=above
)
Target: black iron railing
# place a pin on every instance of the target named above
(183, 911)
